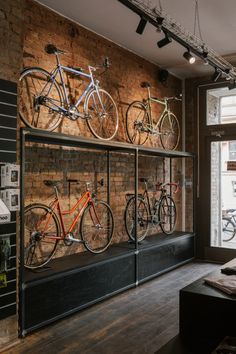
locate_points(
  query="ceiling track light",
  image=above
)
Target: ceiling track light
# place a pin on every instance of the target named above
(189, 57)
(216, 75)
(141, 26)
(175, 31)
(163, 42)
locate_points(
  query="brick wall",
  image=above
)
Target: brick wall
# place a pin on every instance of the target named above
(27, 27)
(62, 163)
(11, 34)
(122, 80)
(83, 47)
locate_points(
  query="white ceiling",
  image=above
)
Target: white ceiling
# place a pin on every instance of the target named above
(117, 23)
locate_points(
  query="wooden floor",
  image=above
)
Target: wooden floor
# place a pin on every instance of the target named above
(140, 320)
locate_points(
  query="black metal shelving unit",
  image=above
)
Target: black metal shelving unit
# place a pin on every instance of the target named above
(85, 279)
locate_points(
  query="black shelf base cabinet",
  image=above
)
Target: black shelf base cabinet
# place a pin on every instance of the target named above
(74, 282)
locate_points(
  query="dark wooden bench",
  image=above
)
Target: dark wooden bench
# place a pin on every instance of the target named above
(207, 315)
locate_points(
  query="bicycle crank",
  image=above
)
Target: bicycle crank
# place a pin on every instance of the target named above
(69, 239)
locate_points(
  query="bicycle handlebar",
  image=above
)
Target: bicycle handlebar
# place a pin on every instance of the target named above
(173, 98)
(161, 185)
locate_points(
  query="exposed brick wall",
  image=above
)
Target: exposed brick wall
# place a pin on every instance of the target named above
(82, 48)
(59, 163)
(31, 26)
(11, 35)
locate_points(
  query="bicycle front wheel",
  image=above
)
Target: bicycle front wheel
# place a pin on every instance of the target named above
(228, 229)
(137, 123)
(167, 214)
(41, 228)
(97, 226)
(102, 114)
(170, 131)
(142, 224)
(39, 100)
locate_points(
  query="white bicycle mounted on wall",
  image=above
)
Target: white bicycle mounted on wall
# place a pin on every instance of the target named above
(45, 100)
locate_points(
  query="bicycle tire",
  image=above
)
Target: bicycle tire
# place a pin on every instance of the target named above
(170, 131)
(33, 215)
(34, 114)
(137, 118)
(102, 125)
(228, 229)
(167, 214)
(129, 216)
(89, 230)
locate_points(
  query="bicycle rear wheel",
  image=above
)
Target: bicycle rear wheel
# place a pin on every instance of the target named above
(167, 214)
(228, 229)
(137, 123)
(39, 99)
(102, 114)
(142, 225)
(41, 225)
(97, 226)
(170, 131)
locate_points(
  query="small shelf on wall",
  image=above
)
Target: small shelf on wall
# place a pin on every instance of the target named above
(85, 277)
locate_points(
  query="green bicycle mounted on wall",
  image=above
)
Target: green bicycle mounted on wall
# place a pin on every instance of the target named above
(45, 99)
(140, 123)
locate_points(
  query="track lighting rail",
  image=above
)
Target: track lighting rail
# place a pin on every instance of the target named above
(177, 32)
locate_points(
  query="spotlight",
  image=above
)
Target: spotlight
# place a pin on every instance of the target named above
(166, 40)
(227, 74)
(216, 75)
(204, 56)
(159, 21)
(141, 25)
(189, 57)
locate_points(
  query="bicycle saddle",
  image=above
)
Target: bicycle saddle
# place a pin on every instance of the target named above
(49, 183)
(52, 49)
(145, 84)
(143, 179)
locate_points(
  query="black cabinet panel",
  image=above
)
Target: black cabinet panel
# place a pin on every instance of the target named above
(162, 256)
(68, 292)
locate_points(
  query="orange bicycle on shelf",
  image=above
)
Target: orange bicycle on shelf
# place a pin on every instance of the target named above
(45, 226)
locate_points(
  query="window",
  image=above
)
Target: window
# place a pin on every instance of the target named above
(232, 150)
(228, 109)
(221, 106)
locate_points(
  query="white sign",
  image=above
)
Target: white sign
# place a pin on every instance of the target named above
(5, 215)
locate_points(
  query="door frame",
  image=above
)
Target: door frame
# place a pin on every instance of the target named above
(206, 135)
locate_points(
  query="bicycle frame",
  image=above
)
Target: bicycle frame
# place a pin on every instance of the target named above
(86, 198)
(149, 105)
(147, 198)
(59, 71)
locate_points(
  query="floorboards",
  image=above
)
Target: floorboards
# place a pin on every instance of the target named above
(140, 320)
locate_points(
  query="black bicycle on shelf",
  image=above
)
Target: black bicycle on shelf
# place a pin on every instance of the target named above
(162, 211)
(229, 225)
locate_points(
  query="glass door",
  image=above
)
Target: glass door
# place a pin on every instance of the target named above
(216, 174)
(223, 194)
